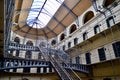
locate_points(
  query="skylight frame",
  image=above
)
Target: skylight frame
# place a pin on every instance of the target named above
(48, 9)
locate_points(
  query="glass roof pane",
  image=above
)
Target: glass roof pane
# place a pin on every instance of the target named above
(41, 12)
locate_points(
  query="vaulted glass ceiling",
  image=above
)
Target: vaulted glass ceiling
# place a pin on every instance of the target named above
(41, 12)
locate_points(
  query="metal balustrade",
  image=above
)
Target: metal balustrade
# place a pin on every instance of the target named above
(77, 67)
(64, 56)
(11, 63)
(16, 46)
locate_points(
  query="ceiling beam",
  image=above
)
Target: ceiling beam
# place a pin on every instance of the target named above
(20, 28)
(51, 30)
(36, 33)
(45, 33)
(59, 22)
(41, 9)
(27, 33)
(70, 10)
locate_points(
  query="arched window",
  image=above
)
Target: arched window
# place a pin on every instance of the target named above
(72, 28)
(107, 3)
(17, 40)
(62, 37)
(28, 54)
(89, 15)
(53, 42)
(29, 43)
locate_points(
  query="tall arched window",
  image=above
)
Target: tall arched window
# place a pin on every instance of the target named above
(62, 37)
(89, 15)
(72, 28)
(107, 3)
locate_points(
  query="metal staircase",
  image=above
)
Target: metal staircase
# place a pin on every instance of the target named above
(56, 58)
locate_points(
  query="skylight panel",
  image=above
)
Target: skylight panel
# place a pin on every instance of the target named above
(41, 12)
